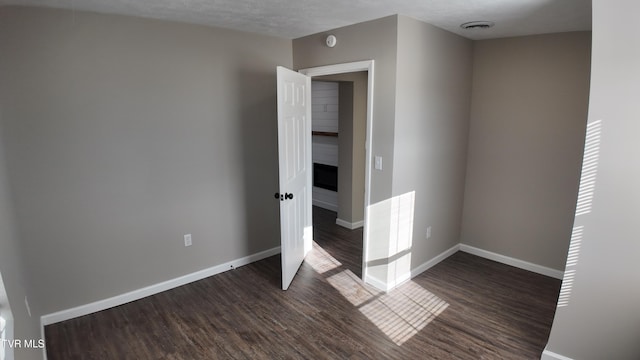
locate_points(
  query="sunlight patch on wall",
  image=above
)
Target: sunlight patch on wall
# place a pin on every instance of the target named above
(388, 254)
(574, 248)
(583, 206)
(401, 234)
(401, 237)
(589, 168)
(572, 261)
(567, 285)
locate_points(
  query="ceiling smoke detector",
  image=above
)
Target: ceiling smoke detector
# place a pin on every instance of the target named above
(477, 25)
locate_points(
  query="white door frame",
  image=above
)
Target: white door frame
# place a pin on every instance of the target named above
(366, 65)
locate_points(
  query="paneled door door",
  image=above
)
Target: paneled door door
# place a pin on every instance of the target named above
(294, 151)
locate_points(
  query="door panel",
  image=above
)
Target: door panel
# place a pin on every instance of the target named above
(294, 147)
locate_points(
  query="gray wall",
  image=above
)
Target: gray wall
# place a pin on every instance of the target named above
(528, 117)
(372, 40)
(345, 151)
(602, 317)
(16, 280)
(431, 128)
(421, 106)
(123, 134)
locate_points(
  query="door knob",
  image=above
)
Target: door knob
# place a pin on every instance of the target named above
(284, 197)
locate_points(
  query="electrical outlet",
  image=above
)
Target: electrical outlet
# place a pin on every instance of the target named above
(428, 232)
(26, 303)
(187, 240)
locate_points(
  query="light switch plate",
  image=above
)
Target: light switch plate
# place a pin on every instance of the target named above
(378, 164)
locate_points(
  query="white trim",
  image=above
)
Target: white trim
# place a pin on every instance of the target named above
(513, 261)
(431, 263)
(368, 66)
(121, 299)
(399, 281)
(350, 225)
(325, 205)
(423, 267)
(376, 283)
(550, 355)
(334, 69)
(44, 348)
(381, 285)
(386, 287)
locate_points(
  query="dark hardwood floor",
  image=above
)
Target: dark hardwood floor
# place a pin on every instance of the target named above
(343, 244)
(465, 307)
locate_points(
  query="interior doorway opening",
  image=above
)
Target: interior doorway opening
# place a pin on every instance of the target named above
(352, 143)
(339, 107)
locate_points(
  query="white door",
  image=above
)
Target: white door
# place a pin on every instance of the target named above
(294, 148)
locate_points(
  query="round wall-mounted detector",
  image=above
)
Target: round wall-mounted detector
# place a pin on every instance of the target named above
(477, 25)
(331, 41)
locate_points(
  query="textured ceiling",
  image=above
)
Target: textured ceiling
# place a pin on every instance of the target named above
(295, 18)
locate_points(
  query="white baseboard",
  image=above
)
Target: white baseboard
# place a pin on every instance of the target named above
(429, 264)
(350, 225)
(386, 287)
(399, 281)
(550, 355)
(376, 283)
(325, 205)
(152, 289)
(513, 262)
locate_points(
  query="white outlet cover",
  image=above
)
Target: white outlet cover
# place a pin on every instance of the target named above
(187, 240)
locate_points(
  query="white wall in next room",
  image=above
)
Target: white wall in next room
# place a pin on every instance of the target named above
(324, 104)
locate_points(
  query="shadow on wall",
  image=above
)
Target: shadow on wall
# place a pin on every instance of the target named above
(257, 138)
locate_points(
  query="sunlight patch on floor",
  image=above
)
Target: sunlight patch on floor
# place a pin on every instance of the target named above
(351, 287)
(400, 313)
(403, 312)
(320, 260)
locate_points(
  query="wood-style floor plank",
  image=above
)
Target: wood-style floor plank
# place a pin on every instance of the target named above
(465, 307)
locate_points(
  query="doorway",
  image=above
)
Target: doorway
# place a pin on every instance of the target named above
(339, 109)
(360, 198)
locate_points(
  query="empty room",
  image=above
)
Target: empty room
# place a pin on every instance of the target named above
(159, 175)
